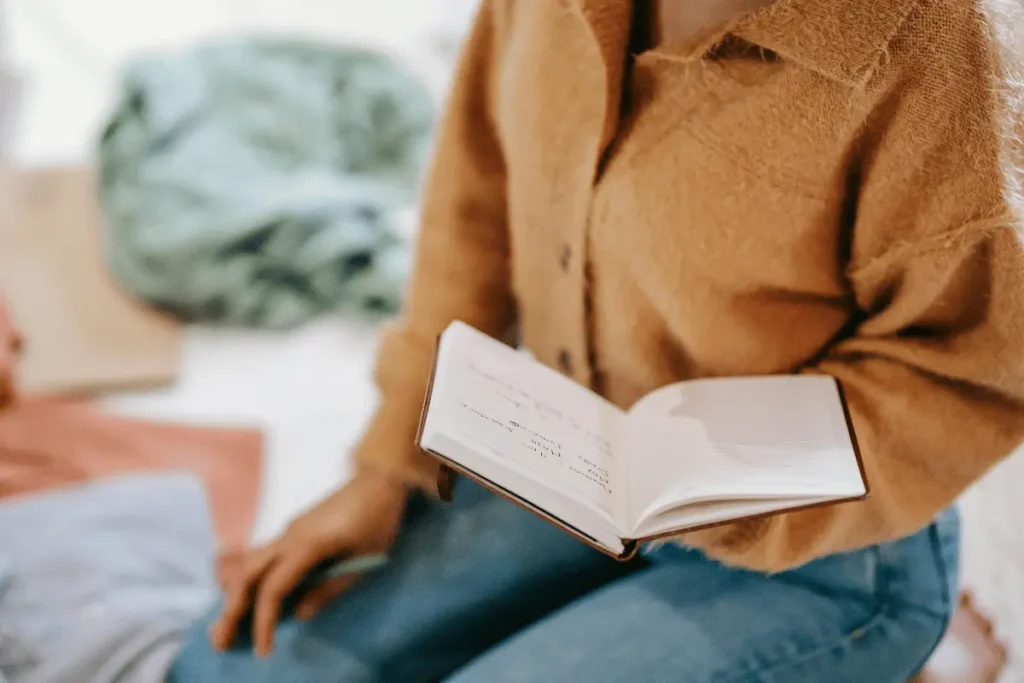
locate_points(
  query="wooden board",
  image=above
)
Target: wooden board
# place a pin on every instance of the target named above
(81, 331)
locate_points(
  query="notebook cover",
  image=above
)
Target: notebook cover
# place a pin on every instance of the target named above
(81, 331)
(449, 469)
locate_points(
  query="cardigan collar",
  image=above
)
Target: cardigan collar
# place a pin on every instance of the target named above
(841, 39)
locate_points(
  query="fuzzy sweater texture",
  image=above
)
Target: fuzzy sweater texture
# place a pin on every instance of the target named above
(828, 186)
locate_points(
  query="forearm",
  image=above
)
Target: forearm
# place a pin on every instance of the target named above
(935, 385)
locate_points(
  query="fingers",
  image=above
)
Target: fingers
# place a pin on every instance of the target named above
(229, 565)
(320, 596)
(237, 596)
(279, 581)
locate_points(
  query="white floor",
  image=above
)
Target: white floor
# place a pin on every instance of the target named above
(311, 389)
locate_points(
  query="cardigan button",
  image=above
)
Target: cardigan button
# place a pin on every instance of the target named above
(565, 362)
(565, 258)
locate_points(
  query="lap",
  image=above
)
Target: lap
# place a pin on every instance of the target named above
(483, 589)
(685, 618)
(462, 577)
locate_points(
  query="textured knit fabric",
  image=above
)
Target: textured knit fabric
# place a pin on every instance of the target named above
(482, 591)
(98, 583)
(826, 186)
(256, 182)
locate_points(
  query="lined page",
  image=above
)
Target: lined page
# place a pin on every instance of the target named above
(530, 417)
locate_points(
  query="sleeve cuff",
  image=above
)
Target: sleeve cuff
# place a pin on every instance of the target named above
(389, 446)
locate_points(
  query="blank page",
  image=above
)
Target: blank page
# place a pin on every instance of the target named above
(778, 436)
(696, 515)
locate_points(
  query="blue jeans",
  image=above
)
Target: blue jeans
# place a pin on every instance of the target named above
(480, 591)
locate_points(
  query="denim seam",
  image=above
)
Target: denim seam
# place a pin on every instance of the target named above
(883, 583)
(872, 623)
(940, 560)
(940, 556)
(852, 636)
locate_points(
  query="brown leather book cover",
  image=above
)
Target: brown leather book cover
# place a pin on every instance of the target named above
(81, 331)
(449, 471)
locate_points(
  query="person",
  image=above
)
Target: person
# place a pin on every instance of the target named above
(645, 192)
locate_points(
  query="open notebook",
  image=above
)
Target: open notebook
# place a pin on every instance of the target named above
(686, 456)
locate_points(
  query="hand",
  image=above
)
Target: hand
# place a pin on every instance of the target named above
(361, 518)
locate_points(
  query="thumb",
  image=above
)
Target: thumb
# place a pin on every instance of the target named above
(318, 598)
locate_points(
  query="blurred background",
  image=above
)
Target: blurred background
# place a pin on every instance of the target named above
(306, 387)
(205, 215)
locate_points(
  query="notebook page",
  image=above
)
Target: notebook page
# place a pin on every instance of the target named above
(530, 418)
(776, 436)
(700, 514)
(666, 458)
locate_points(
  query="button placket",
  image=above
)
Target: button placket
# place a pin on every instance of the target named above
(571, 356)
(563, 356)
(565, 258)
(565, 361)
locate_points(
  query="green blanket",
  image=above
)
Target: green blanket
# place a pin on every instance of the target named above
(256, 182)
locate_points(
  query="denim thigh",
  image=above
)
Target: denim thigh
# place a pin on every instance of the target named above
(462, 577)
(482, 590)
(871, 616)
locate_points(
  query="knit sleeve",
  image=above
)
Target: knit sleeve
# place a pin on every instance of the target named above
(933, 367)
(461, 266)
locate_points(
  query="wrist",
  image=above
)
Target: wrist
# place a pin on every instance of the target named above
(383, 484)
